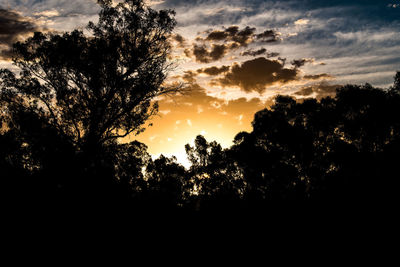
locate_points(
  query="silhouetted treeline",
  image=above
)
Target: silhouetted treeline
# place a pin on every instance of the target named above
(76, 96)
(342, 151)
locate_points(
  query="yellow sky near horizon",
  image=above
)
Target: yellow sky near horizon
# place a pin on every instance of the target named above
(228, 82)
(183, 117)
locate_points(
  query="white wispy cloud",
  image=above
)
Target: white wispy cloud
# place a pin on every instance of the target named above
(302, 22)
(47, 13)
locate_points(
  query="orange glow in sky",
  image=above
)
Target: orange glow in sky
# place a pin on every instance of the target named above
(183, 117)
(234, 56)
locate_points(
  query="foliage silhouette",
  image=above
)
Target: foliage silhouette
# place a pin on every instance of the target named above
(77, 96)
(215, 180)
(337, 152)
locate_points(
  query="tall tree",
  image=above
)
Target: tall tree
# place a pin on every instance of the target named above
(76, 95)
(95, 88)
(216, 181)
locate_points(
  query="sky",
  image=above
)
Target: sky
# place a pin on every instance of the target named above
(236, 55)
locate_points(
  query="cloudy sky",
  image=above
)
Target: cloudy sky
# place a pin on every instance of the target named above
(235, 55)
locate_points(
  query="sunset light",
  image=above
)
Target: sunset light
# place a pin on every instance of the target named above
(199, 107)
(235, 57)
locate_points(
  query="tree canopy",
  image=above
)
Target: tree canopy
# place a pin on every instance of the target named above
(97, 87)
(77, 94)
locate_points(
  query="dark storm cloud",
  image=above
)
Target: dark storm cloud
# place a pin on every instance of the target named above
(13, 27)
(257, 74)
(214, 71)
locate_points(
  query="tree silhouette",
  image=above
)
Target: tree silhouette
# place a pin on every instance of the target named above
(166, 181)
(215, 181)
(77, 94)
(93, 89)
(338, 152)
